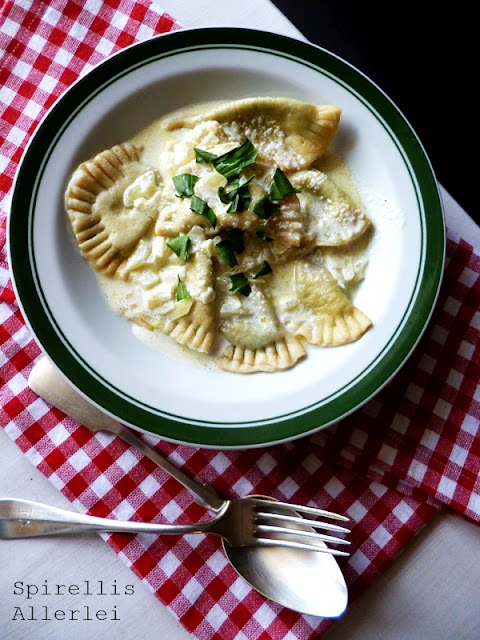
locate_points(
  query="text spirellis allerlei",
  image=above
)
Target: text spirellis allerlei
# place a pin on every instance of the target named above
(37, 604)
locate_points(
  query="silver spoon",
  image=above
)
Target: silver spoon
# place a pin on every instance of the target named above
(304, 581)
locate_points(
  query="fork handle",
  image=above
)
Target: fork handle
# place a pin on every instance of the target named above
(48, 383)
(28, 519)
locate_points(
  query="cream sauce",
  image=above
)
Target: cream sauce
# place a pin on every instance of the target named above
(170, 153)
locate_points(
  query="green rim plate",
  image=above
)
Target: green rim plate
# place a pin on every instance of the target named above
(180, 426)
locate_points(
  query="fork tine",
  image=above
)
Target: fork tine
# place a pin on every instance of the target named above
(274, 542)
(266, 528)
(312, 511)
(318, 524)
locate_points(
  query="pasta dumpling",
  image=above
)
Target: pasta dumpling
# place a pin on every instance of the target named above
(153, 300)
(334, 219)
(213, 227)
(282, 354)
(105, 229)
(334, 319)
(290, 132)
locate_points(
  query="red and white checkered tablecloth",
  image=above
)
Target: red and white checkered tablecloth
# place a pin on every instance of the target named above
(421, 434)
(412, 450)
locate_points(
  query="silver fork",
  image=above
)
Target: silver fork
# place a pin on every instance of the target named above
(246, 522)
(47, 382)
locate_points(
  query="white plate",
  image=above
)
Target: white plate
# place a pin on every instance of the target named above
(178, 398)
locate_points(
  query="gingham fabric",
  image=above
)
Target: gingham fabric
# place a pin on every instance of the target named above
(412, 450)
(422, 432)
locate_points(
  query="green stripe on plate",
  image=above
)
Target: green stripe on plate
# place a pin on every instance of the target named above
(41, 319)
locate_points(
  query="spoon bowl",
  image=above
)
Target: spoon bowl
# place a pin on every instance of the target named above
(304, 581)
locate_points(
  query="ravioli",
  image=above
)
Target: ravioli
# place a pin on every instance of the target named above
(291, 133)
(287, 229)
(282, 354)
(106, 231)
(334, 319)
(212, 227)
(334, 219)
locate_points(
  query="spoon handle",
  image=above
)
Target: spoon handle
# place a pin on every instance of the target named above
(28, 519)
(50, 385)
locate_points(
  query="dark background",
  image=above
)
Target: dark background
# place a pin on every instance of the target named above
(424, 56)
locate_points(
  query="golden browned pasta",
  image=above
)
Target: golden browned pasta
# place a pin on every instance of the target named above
(212, 227)
(106, 231)
(333, 320)
(291, 133)
(282, 354)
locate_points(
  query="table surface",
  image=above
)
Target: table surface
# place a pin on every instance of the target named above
(430, 592)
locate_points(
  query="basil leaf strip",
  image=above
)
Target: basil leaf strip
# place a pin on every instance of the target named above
(236, 237)
(180, 246)
(238, 196)
(264, 269)
(236, 206)
(281, 186)
(240, 284)
(200, 206)
(262, 235)
(225, 250)
(203, 157)
(265, 208)
(230, 164)
(182, 293)
(184, 184)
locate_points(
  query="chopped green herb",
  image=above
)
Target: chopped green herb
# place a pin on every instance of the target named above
(182, 293)
(231, 164)
(262, 235)
(203, 157)
(237, 205)
(184, 184)
(226, 196)
(238, 197)
(200, 206)
(236, 237)
(180, 246)
(225, 250)
(265, 208)
(281, 186)
(264, 269)
(240, 284)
